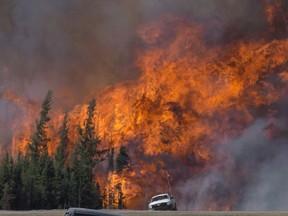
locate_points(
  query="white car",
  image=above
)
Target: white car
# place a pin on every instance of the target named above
(162, 202)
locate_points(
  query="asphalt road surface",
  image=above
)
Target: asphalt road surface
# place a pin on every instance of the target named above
(148, 213)
(200, 213)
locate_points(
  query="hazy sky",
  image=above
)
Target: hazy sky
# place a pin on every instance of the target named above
(77, 47)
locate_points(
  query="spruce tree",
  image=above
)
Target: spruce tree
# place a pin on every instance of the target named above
(17, 185)
(26, 179)
(122, 160)
(38, 145)
(6, 172)
(99, 201)
(6, 197)
(61, 176)
(48, 177)
(74, 179)
(109, 193)
(60, 156)
(37, 175)
(86, 155)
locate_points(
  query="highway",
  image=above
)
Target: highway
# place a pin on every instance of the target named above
(199, 213)
(148, 213)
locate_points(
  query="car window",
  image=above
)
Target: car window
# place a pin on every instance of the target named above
(159, 198)
(81, 214)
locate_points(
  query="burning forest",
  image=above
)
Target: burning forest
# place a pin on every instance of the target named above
(199, 97)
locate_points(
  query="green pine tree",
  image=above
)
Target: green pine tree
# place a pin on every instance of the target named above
(73, 199)
(47, 180)
(122, 160)
(40, 167)
(85, 157)
(6, 197)
(17, 185)
(26, 179)
(61, 176)
(99, 202)
(6, 173)
(38, 145)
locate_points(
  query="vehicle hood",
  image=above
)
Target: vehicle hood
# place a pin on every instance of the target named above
(159, 201)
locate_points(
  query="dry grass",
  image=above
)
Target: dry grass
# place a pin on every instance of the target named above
(142, 213)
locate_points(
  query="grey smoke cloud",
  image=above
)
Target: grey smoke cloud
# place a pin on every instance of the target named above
(77, 47)
(251, 167)
(269, 191)
(265, 160)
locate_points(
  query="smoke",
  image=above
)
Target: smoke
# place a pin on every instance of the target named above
(7, 112)
(69, 47)
(264, 159)
(253, 178)
(76, 48)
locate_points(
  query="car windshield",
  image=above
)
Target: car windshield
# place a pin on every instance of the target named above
(159, 198)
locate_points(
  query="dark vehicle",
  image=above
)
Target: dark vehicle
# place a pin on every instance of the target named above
(86, 212)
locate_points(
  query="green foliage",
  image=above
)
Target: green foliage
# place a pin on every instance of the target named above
(61, 176)
(122, 160)
(47, 181)
(98, 200)
(84, 160)
(37, 147)
(6, 197)
(6, 172)
(60, 156)
(39, 172)
(40, 181)
(17, 184)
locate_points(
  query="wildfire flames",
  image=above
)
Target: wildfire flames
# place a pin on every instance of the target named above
(189, 110)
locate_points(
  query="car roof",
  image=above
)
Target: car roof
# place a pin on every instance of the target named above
(90, 212)
(161, 195)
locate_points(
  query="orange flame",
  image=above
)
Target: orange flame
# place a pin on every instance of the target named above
(189, 98)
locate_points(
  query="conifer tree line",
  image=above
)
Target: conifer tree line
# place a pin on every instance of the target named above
(38, 180)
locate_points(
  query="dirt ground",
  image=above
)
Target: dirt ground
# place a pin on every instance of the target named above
(149, 213)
